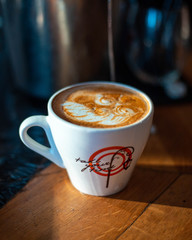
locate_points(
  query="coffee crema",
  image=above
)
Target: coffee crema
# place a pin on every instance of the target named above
(100, 106)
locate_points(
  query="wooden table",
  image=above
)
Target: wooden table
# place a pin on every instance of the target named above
(157, 203)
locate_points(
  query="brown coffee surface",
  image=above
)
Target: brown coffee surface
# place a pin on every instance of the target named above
(100, 106)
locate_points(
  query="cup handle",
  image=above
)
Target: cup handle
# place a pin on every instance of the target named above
(50, 153)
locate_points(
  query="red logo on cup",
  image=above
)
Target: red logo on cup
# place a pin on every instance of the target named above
(109, 161)
(117, 158)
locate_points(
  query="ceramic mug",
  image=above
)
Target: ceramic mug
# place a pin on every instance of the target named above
(90, 154)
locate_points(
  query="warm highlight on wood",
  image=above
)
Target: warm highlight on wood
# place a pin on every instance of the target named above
(157, 203)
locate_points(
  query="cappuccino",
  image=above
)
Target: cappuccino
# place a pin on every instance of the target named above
(100, 106)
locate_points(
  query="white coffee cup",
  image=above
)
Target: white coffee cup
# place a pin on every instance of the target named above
(99, 161)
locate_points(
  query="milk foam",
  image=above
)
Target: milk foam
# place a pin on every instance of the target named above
(105, 110)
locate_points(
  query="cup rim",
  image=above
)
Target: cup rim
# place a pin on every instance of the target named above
(97, 129)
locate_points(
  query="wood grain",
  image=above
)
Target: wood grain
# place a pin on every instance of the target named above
(170, 217)
(169, 148)
(156, 204)
(50, 208)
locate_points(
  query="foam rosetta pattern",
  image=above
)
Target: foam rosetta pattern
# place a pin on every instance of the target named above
(102, 109)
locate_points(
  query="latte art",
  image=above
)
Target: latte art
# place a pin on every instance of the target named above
(124, 110)
(103, 100)
(102, 116)
(101, 107)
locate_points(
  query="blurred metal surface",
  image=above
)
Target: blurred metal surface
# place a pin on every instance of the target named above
(54, 43)
(158, 40)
